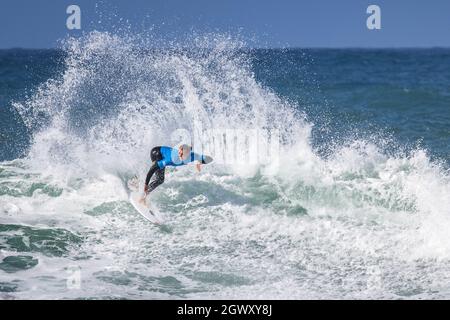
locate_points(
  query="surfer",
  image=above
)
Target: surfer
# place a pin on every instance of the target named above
(163, 156)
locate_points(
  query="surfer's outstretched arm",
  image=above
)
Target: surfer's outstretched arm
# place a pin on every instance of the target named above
(200, 159)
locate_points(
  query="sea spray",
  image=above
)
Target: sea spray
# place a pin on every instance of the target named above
(359, 223)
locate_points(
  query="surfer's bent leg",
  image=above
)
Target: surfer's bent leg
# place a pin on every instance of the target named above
(159, 175)
(155, 155)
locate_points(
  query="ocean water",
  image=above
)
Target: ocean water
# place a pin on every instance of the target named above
(358, 208)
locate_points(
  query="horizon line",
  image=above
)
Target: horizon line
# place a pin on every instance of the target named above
(276, 48)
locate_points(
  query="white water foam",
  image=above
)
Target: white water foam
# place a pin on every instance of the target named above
(359, 224)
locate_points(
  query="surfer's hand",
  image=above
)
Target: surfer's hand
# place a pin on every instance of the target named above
(198, 166)
(146, 189)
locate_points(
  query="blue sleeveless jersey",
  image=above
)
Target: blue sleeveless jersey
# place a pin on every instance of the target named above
(171, 158)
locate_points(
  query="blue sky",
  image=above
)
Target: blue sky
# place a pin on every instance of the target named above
(293, 23)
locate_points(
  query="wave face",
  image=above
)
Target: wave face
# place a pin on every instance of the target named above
(360, 222)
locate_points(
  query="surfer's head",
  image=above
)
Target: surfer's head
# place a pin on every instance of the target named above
(184, 151)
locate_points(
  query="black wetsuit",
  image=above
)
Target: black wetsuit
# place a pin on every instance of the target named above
(155, 156)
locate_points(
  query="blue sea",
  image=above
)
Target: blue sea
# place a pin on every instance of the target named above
(357, 205)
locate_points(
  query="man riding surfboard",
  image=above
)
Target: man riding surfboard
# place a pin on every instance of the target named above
(163, 156)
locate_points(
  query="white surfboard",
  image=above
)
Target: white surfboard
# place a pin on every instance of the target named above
(142, 204)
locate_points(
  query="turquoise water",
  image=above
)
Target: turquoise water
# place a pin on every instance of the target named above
(358, 208)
